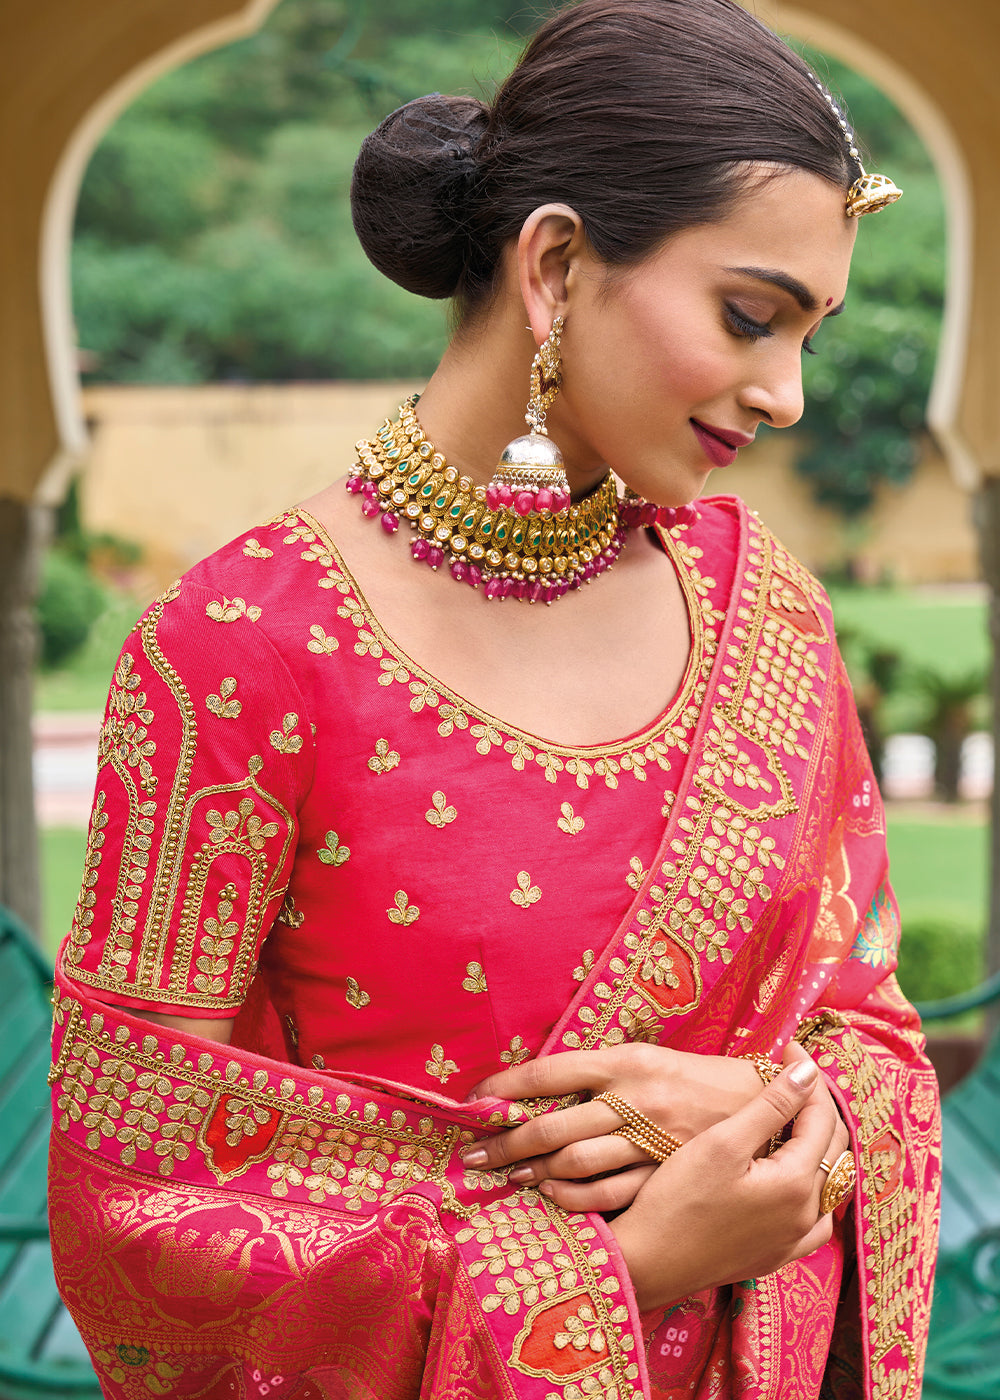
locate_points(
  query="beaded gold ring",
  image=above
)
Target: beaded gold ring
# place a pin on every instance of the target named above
(641, 1131)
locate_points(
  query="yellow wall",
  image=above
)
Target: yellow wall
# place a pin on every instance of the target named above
(181, 471)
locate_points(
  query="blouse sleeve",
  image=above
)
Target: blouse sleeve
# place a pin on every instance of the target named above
(204, 757)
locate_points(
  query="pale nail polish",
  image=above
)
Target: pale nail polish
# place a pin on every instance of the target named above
(522, 1174)
(473, 1156)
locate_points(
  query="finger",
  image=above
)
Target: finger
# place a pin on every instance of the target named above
(776, 1104)
(548, 1077)
(542, 1136)
(610, 1193)
(586, 1158)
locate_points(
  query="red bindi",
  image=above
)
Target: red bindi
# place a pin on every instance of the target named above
(829, 301)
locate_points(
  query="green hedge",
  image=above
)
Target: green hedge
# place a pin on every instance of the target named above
(70, 602)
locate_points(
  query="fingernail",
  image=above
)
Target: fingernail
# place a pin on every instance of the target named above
(521, 1174)
(803, 1073)
(473, 1156)
(546, 1188)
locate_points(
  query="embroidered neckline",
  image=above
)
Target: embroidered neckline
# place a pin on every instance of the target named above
(672, 728)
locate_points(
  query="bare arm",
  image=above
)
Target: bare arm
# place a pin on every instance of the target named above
(208, 1028)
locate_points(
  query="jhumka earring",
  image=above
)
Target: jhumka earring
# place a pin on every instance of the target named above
(530, 475)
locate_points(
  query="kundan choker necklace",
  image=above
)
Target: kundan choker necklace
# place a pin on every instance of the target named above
(517, 537)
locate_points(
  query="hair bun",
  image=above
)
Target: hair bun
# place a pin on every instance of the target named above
(410, 191)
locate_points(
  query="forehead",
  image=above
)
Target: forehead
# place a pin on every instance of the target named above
(790, 221)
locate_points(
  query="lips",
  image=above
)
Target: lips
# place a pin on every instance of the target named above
(720, 445)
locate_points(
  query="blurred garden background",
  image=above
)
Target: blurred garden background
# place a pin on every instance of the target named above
(215, 273)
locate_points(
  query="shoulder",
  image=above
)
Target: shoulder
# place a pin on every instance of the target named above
(730, 514)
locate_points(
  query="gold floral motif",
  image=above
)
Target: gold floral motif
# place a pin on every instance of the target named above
(517, 1052)
(83, 916)
(216, 945)
(333, 853)
(230, 609)
(440, 814)
(253, 549)
(438, 1066)
(242, 825)
(526, 893)
(222, 704)
(384, 758)
(355, 996)
(569, 821)
(121, 738)
(581, 973)
(404, 913)
(636, 877)
(475, 979)
(283, 740)
(321, 644)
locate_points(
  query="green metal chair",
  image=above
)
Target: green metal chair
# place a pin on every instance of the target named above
(41, 1352)
(963, 1355)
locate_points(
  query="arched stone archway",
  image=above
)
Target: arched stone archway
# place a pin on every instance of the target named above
(64, 75)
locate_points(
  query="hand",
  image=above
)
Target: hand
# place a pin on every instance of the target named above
(682, 1093)
(713, 1213)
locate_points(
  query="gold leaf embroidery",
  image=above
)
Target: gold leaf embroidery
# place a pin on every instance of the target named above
(581, 973)
(355, 996)
(392, 670)
(318, 1062)
(293, 1031)
(230, 609)
(231, 826)
(476, 980)
(321, 644)
(253, 549)
(526, 893)
(440, 814)
(440, 1067)
(384, 758)
(221, 704)
(404, 913)
(569, 822)
(517, 1053)
(216, 945)
(637, 877)
(284, 740)
(333, 853)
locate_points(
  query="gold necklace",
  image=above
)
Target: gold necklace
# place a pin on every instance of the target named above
(536, 556)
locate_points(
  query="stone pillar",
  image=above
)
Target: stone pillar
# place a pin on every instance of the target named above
(21, 530)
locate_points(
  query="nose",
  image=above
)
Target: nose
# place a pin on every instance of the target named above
(775, 394)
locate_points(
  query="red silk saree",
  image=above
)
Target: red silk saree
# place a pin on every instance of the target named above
(288, 1216)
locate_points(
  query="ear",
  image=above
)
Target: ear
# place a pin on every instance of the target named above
(549, 246)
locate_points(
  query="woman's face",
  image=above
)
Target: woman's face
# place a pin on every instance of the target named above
(670, 366)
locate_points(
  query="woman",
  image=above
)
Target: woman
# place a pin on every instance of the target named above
(416, 1035)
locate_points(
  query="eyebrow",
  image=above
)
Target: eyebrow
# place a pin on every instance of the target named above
(787, 283)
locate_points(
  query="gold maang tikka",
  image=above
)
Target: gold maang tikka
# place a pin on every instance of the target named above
(869, 193)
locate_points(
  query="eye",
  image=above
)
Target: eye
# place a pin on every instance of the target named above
(744, 327)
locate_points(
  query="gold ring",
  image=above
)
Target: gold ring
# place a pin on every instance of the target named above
(660, 1148)
(641, 1131)
(840, 1182)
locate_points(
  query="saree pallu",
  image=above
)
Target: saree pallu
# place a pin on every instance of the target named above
(224, 1224)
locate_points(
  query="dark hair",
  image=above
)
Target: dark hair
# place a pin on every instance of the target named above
(642, 115)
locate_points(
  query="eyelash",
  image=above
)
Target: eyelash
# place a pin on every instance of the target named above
(753, 330)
